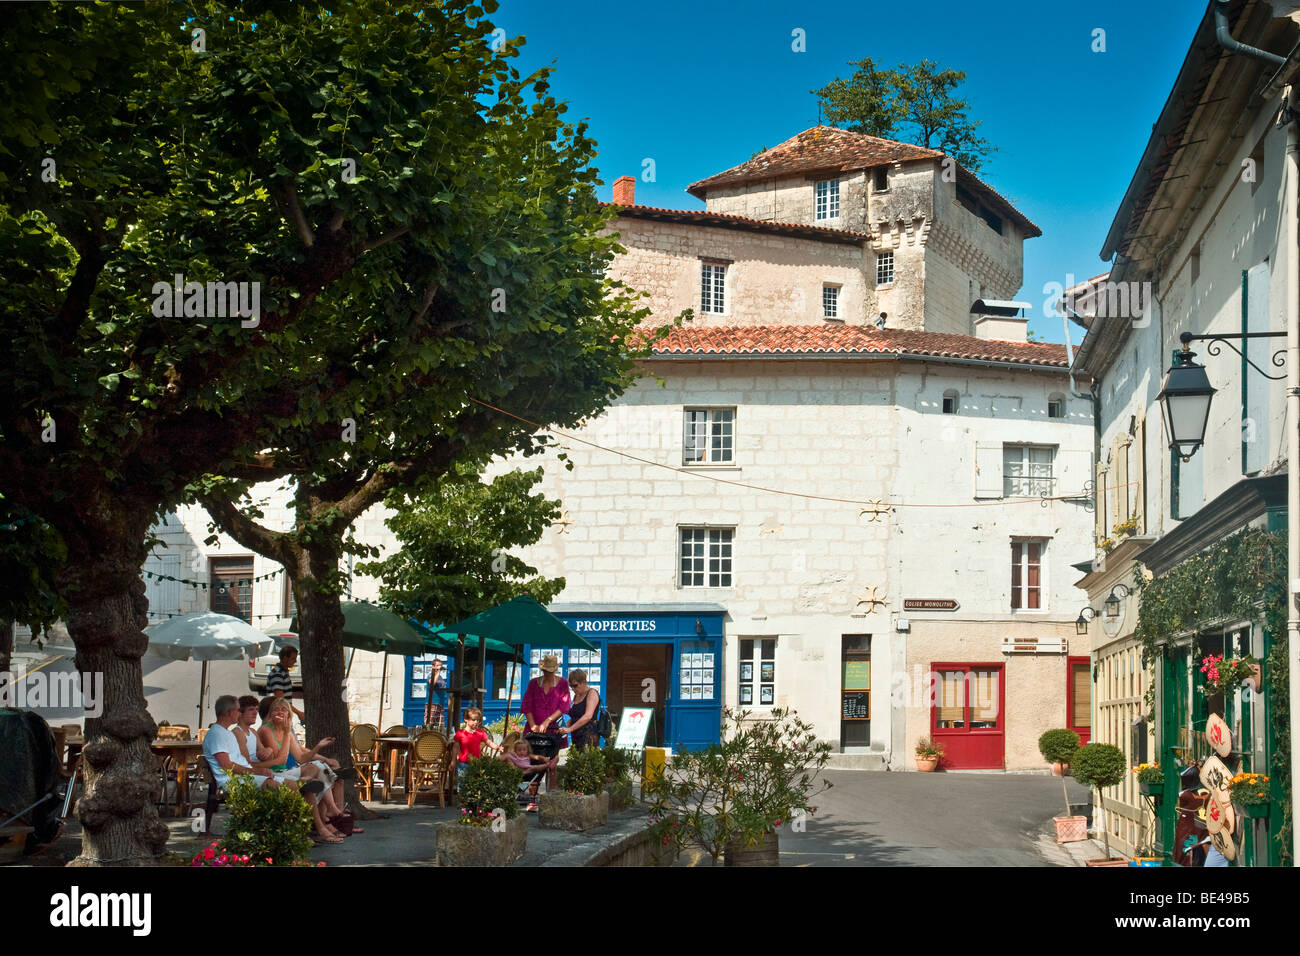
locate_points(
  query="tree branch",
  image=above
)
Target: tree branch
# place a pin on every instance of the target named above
(285, 187)
(271, 544)
(387, 237)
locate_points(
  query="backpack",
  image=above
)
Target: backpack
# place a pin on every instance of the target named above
(604, 724)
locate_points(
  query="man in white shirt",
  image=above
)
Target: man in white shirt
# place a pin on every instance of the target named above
(225, 756)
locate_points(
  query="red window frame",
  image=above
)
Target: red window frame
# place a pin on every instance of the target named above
(967, 667)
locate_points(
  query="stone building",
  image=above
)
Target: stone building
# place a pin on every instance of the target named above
(1203, 243)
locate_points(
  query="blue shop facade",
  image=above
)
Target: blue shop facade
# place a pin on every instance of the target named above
(668, 656)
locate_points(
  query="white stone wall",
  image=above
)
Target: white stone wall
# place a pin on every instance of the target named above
(810, 571)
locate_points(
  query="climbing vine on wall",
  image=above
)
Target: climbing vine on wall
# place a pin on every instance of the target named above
(1242, 577)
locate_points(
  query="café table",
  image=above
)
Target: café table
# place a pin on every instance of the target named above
(397, 747)
(74, 745)
(183, 752)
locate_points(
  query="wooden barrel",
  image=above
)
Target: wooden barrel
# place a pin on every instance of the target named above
(764, 853)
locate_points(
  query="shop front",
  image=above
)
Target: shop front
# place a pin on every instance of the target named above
(668, 656)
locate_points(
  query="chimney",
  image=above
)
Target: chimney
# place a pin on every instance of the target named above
(625, 191)
(999, 320)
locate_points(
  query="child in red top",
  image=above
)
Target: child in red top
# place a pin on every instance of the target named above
(472, 738)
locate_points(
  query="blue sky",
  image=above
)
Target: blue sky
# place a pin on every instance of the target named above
(699, 86)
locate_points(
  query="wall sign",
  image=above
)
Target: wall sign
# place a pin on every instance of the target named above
(1035, 645)
(929, 604)
(855, 705)
(633, 726)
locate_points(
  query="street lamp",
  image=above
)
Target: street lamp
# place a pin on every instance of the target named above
(1117, 594)
(1185, 403)
(1081, 624)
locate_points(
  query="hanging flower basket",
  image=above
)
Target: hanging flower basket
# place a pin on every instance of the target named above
(1224, 675)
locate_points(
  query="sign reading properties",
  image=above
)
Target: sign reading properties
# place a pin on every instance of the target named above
(633, 727)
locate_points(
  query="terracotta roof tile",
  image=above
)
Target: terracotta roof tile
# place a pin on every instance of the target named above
(819, 148)
(850, 340)
(726, 221)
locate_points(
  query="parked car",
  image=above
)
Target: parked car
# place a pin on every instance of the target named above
(261, 668)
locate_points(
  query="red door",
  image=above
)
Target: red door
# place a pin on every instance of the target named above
(1078, 697)
(967, 718)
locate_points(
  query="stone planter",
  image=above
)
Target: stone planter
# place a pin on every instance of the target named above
(1071, 829)
(561, 810)
(927, 764)
(767, 852)
(481, 846)
(620, 798)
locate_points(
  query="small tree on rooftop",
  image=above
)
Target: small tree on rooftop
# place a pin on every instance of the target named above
(1059, 746)
(1099, 766)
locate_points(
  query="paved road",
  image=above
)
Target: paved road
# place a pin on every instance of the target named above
(930, 819)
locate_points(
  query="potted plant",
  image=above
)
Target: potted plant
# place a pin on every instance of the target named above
(490, 831)
(1100, 766)
(1251, 792)
(731, 798)
(928, 755)
(1058, 748)
(581, 801)
(1151, 780)
(268, 826)
(618, 777)
(1224, 675)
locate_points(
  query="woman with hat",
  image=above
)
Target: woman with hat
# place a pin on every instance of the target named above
(546, 700)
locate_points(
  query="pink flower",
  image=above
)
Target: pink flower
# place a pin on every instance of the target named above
(209, 853)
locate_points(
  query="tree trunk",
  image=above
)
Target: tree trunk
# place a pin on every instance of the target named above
(6, 645)
(320, 634)
(108, 613)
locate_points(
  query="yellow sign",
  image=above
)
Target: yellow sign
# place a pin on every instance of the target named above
(857, 675)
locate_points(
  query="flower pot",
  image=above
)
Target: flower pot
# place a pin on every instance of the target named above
(1071, 829)
(1147, 861)
(1060, 769)
(1256, 811)
(460, 845)
(927, 764)
(1256, 680)
(1113, 861)
(765, 853)
(1155, 790)
(561, 810)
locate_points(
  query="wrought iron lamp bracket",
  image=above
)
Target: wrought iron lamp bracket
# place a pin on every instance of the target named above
(1218, 341)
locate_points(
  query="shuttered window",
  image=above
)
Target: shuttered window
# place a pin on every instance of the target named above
(1081, 696)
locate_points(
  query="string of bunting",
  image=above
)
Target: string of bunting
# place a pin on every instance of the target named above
(204, 585)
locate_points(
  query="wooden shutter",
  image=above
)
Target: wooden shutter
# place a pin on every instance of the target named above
(1081, 680)
(952, 699)
(988, 470)
(1123, 489)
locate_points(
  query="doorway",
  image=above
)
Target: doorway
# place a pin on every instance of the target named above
(637, 675)
(968, 717)
(855, 691)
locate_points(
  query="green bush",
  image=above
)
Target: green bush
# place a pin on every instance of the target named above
(1100, 766)
(583, 771)
(489, 785)
(1058, 746)
(270, 825)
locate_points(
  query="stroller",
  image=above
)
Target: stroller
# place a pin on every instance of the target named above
(542, 745)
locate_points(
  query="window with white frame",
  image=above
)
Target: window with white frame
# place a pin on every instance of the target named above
(1027, 593)
(709, 436)
(706, 557)
(828, 199)
(884, 268)
(1056, 405)
(950, 401)
(1027, 470)
(756, 672)
(830, 302)
(713, 282)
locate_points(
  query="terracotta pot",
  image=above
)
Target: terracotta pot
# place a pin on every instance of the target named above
(1113, 861)
(1071, 829)
(1255, 680)
(927, 764)
(1060, 769)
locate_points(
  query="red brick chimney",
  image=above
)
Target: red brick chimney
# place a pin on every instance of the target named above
(625, 191)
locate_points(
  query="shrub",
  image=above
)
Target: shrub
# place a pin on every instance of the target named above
(1099, 766)
(1059, 746)
(619, 766)
(583, 771)
(486, 787)
(269, 825)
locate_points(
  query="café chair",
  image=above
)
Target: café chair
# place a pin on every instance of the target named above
(364, 740)
(428, 767)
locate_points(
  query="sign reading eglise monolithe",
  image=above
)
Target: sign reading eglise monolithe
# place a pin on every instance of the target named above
(929, 604)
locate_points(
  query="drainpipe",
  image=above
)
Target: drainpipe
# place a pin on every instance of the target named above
(1290, 218)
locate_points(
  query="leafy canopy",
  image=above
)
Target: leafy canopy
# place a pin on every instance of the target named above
(919, 99)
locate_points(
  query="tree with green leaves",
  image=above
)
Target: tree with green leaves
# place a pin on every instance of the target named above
(918, 99)
(455, 541)
(270, 240)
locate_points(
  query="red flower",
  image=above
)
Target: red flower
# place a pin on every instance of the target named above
(209, 853)
(776, 823)
(270, 862)
(665, 841)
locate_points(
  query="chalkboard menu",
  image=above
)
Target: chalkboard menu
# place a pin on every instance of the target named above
(855, 705)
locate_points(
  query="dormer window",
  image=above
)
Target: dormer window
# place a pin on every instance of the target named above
(827, 193)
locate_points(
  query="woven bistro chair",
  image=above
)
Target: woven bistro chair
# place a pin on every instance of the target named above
(428, 767)
(365, 757)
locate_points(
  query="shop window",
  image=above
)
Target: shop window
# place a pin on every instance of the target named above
(709, 436)
(706, 557)
(756, 680)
